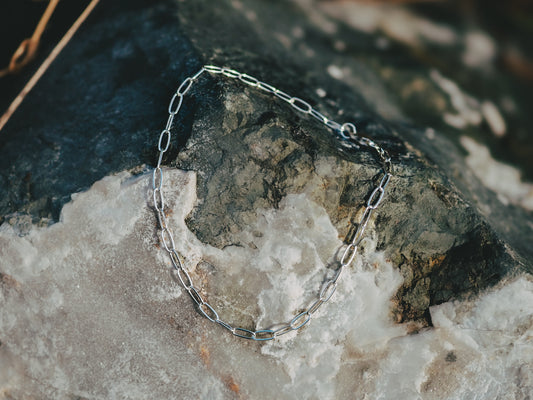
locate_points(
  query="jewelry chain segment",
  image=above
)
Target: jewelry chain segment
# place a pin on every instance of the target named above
(347, 132)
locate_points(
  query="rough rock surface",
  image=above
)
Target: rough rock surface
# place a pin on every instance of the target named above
(443, 282)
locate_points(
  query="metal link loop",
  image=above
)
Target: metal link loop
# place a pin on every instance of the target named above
(338, 273)
(162, 219)
(375, 198)
(282, 95)
(184, 87)
(319, 116)
(195, 295)
(225, 325)
(283, 330)
(231, 73)
(327, 291)
(264, 335)
(208, 311)
(171, 109)
(346, 133)
(300, 320)
(184, 278)
(249, 80)
(301, 105)
(159, 159)
(176, 261)
(333, 125)
(266, 87)
(349, 254)
(157, 178)
(350, 128)
(159, 201)
(315, 306)
(170, 121)
(361, 226)
(163, 133)
(243, 333)
(167, 239)
(213, 69)
(385, 181)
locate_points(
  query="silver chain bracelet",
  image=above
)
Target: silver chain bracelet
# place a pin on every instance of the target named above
(346, 132)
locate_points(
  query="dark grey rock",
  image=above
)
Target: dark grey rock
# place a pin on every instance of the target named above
(101, 106)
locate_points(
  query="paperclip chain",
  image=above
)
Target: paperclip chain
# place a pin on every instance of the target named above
(347, 132)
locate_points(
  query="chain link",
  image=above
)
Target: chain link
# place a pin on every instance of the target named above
(346, 132)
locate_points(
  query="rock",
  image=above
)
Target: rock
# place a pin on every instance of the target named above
(259, 199)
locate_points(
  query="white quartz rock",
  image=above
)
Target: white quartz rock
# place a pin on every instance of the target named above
(88, 308)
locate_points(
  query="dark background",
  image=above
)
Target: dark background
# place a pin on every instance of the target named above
(510, 23)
